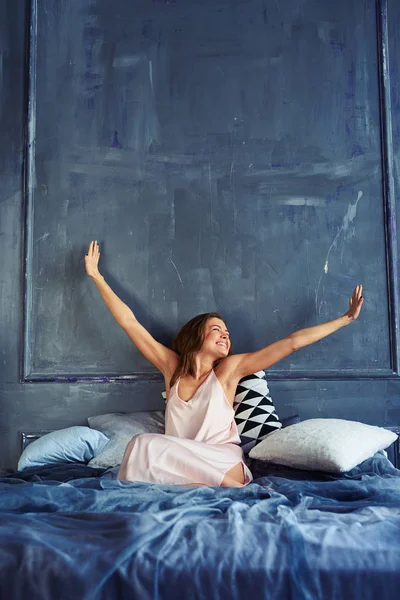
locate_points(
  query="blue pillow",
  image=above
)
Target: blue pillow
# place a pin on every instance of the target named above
(73, 444)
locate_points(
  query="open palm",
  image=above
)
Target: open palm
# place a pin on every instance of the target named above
(356, 302)
(92, 259)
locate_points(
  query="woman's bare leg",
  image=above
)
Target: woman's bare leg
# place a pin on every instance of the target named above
(229, 482)
(234, 477)
(194, 484)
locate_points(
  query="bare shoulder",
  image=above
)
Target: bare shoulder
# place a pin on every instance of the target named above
(170, 366)
(227, 371)
(228, 375)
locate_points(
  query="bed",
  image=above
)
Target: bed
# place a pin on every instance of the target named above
(71, 531)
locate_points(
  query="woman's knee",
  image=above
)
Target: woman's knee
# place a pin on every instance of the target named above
(234, 477)
(139, 438)
(229, 482)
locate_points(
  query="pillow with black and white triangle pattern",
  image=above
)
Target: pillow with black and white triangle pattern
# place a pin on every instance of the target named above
(255, 413)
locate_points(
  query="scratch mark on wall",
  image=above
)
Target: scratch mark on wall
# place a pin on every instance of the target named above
(307, 242)
(126, 61)
(151, 75)
(42, 237)
(301, 201)
(211, 197)
(232, 177)
(176, 269)
(347, 220)
(366, 163)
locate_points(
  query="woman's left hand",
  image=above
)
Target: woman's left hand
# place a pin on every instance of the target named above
(356, 302)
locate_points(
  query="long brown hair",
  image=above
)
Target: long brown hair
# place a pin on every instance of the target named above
(188, 342)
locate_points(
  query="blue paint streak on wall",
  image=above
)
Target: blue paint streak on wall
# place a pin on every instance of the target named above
(116, 143)
(356, 150)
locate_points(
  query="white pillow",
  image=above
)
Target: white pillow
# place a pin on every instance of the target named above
(334, 445)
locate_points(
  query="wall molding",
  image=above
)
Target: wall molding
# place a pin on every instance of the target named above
(388, 196)
(29, 178)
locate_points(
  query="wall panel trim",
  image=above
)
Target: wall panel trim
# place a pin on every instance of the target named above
(388, 195)
(29, 169)
(389, 198)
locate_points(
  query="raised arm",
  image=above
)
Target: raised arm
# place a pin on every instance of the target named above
(159, 355)
(251, 362)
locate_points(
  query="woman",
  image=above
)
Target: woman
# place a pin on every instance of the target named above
(200, 445)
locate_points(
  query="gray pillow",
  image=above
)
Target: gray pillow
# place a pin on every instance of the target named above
(333, 445)
(120, 429)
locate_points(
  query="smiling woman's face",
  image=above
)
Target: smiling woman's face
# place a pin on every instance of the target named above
(216, 338)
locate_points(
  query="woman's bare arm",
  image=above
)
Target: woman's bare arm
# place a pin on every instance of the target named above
(241, 365)
(159, 355)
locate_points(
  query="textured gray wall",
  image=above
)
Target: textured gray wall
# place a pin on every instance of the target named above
(226, 156)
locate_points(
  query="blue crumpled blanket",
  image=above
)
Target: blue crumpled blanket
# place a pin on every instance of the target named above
(314, 536)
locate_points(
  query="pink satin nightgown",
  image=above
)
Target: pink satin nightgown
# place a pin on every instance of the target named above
(199, 446)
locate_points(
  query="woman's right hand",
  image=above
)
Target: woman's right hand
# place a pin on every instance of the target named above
(92, 259)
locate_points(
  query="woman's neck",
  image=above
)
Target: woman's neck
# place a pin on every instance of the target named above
(202, 369)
